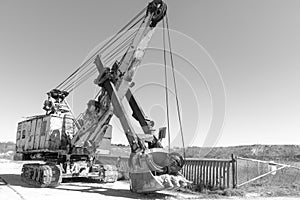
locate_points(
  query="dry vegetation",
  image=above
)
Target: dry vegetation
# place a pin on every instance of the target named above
(286, 182)
(262, 152)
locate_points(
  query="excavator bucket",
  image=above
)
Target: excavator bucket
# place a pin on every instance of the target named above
(155, 169)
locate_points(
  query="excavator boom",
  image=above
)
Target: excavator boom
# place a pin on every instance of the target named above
(121, 75)
(151, 167)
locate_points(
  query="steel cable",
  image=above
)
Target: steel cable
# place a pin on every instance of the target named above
(166, 87)
(108, 58)
(107, 44)
(175, 87)
(91, 59)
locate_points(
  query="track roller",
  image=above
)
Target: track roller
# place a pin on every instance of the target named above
(41, 175)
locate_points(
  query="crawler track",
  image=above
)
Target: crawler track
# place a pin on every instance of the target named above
(41, 175)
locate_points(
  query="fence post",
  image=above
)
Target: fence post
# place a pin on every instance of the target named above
(234, 171)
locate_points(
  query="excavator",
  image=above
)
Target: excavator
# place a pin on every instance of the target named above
(68, 145)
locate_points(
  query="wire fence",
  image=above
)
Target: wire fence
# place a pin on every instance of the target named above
(267, 173)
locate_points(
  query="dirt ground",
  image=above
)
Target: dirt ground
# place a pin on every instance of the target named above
(11, 187)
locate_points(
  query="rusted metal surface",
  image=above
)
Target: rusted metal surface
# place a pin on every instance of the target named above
(41, 133)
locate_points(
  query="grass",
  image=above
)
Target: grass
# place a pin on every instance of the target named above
(249, 169)
(286, 182)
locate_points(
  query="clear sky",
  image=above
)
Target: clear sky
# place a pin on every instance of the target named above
(255, 45)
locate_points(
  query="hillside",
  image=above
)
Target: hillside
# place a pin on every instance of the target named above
(263, 152)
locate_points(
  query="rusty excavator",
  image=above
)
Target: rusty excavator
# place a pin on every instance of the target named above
(68, 145)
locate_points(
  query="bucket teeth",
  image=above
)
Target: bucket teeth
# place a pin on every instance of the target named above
(175, 181)
(166, 181)
(183, 181)
(149, 172)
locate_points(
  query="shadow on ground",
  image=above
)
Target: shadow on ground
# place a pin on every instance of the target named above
(114, 192)
(14, 180)
(78, 185)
